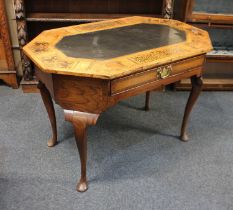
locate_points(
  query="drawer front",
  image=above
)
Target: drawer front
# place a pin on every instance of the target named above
(159, 73)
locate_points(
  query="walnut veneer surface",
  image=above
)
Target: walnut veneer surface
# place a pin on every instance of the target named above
(43, 51)
(88, 68)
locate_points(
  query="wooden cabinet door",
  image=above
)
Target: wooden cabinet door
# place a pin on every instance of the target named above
(7, 66)
(3, 62)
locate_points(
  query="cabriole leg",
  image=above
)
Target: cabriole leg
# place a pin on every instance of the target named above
(195, 92)
(48, 102)
(80, 121)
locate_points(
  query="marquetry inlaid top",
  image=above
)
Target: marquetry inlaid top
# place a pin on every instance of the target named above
(114, 48)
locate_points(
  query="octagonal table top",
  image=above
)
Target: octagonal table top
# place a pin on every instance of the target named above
(115, 48)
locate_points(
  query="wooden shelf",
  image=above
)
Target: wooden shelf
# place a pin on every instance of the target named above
(208, 84)
(210, 18)
(224, 55)
(77, 17)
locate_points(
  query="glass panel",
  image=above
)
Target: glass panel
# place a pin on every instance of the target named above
(214, 6)
(222, 39)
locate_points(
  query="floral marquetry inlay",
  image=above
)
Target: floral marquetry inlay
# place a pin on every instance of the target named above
(50, 61)
(118, 47)
(151, 56)
(39, 47)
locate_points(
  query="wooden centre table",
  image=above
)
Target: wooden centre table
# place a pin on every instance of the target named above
(90, 67)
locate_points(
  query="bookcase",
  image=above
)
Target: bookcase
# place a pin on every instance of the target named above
(217, 18)
(35, 16)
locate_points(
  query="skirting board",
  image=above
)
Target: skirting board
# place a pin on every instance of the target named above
(29, 86)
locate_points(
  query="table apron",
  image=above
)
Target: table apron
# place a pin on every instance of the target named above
(153, 85)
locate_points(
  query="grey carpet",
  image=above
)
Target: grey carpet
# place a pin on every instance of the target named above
(135, 160)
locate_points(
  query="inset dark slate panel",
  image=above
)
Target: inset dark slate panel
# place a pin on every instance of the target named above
(110, 43)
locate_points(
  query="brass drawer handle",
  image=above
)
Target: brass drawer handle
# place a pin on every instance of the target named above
(164, 72)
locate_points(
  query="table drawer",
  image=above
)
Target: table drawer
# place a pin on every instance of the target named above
(158, 73)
